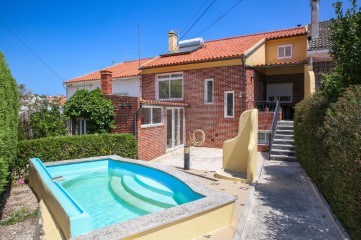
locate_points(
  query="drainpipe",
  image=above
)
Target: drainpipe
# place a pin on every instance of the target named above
(243, 58)
(135, 120)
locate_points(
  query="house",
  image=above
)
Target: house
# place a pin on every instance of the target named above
(196, 91)
(125, 79)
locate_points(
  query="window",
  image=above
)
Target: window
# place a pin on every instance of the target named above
(263, 137)
(229, 104)
(80, 126)
(151, 116)
(280, 91)
(170, 86)
(69, 124)
(284, 51)
(208, 91)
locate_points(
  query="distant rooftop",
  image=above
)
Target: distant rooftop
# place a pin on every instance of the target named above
(323, 42)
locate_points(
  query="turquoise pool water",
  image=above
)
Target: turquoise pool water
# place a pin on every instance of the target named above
(113, 191)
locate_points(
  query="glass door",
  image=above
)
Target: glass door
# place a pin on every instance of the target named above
(175, 127)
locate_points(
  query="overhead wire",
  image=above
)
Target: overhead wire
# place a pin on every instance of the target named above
(32, 51)
(219, 18)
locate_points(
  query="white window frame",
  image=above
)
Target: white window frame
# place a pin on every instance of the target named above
(266, 137)
(151, 124)
(225, 104)
(168, 79)
(206, 91)
(284, 51)
(80, 130)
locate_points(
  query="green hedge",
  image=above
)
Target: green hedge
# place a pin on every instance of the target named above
(9, 107)
(71, 147)
(328, 146)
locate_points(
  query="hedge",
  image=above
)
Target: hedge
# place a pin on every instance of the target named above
(9, 107)
(328, 146)
(72, 147)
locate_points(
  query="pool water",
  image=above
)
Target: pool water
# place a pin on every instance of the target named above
(112, 192)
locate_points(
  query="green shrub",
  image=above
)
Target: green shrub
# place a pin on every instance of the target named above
(308, 122)
(343, 138)
(9, 107)
(71, 147)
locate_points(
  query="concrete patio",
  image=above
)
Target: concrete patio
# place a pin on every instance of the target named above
(282, 204)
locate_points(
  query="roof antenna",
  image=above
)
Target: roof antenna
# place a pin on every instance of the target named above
(138, 45)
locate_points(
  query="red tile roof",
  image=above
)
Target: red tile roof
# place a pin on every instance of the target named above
(223, 48)
(281, 64)
(121, 70)
(154, 102)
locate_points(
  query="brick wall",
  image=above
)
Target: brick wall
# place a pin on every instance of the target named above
(125, 107)
(265, 120)
(208, 117)
(320, 68)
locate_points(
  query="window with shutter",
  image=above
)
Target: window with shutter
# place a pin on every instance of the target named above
(284, 51)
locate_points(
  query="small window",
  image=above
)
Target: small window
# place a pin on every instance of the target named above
(229, 104)
(208, 91)
(263, 137)
(80, 126)
(151, 116)
(284, 51)
(170, 86)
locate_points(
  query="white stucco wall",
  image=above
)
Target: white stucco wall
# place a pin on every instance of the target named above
(126, 86)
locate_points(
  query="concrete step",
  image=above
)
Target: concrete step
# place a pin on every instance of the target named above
(283, 158)
(283, 141)
(276, 151)
(284, 146)
(284, 132)
(280, 127)
(283, 136)
(285, 123)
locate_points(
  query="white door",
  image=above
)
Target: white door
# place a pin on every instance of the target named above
(175, 127)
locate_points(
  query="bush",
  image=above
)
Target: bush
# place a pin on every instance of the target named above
(71, 147)
(308, 122)
(9, 107)
(343, 172)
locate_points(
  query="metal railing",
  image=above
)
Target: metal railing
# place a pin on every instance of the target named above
(276, 118)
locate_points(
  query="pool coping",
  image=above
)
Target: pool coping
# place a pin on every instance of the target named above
(213, 200)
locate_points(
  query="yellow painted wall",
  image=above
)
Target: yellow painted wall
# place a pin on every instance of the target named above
(192, 227)
(310, 81)
(240, 153)
(299, 49)
(46, 226)
(258, 57)
(182, 67)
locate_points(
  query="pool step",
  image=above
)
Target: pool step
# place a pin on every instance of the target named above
(136, 189)
(117, 188)
(153, 185)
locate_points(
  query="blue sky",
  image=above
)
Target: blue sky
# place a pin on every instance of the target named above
(49, 42)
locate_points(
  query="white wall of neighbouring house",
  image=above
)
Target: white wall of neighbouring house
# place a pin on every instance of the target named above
(126, 86)
(87, 85)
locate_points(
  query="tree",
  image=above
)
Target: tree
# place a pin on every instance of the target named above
(47, 121)
(9, 108)
(345, 50)
(92, 106)
(38, 116)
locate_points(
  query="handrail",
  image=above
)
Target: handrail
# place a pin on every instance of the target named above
(273, 127)
(262, 106)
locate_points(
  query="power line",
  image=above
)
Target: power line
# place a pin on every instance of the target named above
(209, 26)
(198, 18)
(32, 51)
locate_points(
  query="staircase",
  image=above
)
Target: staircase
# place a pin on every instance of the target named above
(283, 147)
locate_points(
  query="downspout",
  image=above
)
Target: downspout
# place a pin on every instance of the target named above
(243, 58)
(135, 121)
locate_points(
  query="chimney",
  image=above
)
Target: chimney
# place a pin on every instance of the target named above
(315, 27)
(172, 41)
(106, 82)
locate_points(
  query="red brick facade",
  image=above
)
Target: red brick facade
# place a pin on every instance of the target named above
(106, 82)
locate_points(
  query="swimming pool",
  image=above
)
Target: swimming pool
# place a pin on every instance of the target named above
(90, 195)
